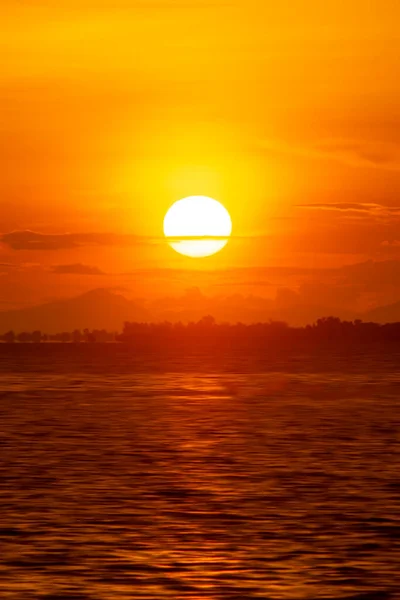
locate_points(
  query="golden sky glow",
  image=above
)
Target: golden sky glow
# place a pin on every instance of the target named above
(288, 113)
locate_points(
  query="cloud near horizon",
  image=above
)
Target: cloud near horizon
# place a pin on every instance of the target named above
(32, 240)
(76, 269)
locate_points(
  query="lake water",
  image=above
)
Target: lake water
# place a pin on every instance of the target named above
(152, 476)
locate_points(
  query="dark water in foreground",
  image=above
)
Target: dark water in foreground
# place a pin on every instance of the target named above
(198, 478)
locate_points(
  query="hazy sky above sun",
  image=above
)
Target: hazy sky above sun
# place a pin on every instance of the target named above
(287, 112)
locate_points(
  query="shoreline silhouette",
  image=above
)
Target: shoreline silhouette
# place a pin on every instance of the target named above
(207, 331)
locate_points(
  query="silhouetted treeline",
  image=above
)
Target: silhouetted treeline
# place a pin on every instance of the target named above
(76, 336)
(327, 329)
(207, 331)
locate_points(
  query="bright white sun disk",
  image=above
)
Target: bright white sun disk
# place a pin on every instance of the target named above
(197, 217)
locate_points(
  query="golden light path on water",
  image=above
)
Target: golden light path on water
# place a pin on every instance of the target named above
(223, 476)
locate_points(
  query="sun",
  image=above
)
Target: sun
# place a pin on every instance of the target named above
(197, 226)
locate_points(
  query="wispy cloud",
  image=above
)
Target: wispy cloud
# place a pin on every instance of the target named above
(355, 153)
(381, 155)
(372, 209)
(391, 244)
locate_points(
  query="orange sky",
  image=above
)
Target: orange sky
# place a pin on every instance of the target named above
(110, 111)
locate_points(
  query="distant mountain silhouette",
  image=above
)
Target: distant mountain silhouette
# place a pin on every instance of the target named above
(384, 314)
(251, 310)
(106, 309)
(97, 309)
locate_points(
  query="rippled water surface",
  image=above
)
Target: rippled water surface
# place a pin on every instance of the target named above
(198, 477)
